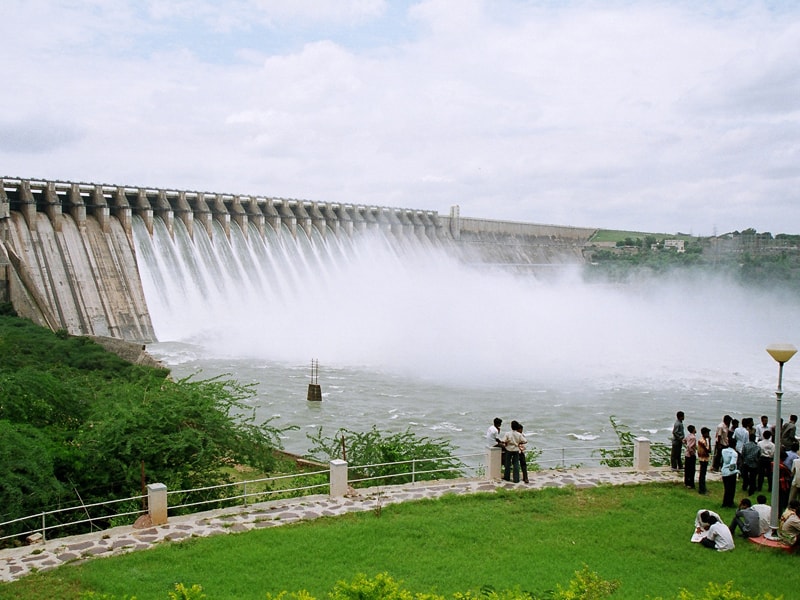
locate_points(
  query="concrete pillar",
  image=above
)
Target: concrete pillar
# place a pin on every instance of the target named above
(122, 209)
(27, 205)
(641, 454)
(219, 212)
(77, 206)
(99, 207)
(157, 503)
(52, 206)
(455, 222)
(5, 206)
(144, 209)
(272, 216)
(185, 213)
(494, 462)
(338, 478)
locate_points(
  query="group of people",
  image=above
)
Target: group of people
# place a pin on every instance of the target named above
(741, 448)
(513, 446)
(752, 520)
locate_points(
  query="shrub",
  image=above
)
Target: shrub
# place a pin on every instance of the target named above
(623, 456)
(377, 454)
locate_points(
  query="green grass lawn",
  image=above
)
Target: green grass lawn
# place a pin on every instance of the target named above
(533, 540)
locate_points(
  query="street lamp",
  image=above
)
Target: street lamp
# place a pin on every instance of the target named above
(781, 353)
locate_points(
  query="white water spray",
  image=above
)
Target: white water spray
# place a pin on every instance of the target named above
(415, 310)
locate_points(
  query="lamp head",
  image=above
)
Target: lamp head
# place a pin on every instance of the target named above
(781, 352)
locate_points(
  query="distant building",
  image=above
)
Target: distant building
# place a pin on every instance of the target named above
(677, 244)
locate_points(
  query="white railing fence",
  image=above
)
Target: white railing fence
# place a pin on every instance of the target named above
(336, 480)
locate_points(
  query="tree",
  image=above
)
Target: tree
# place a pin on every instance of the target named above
(81, 420)
(184, 433)
(28, 478)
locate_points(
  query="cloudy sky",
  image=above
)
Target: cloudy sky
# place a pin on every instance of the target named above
(644, 115)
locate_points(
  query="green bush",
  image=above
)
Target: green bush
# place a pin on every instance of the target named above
(623, 455)
(725, 591)
(372, 451)
(84, 423)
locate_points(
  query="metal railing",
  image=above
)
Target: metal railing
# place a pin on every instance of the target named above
(268, 488)
(55, 522)
(576, 456)
(262, 490)
(459, 466)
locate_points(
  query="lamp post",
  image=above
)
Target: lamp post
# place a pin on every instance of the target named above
(781, 353)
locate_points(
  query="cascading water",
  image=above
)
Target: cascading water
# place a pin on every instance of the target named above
(407, 335)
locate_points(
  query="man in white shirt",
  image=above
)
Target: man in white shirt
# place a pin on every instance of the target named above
(762, 427)
(493, 433)
(718, 536)
(765, 460)
(764, 511)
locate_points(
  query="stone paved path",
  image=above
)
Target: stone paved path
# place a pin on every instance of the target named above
(18, 562)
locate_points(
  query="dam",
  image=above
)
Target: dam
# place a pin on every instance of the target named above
(72, 254)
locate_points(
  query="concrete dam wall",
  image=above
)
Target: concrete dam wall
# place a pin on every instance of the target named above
(69, 261)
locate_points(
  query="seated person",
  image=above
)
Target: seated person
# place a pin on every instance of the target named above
(764, 511)
(789, 528)
(746, 519)
(718, 535)
(701, 521)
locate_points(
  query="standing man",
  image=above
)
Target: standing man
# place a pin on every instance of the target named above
(750, 464)
(729, 472)
(720, 442)
(789, 432)
(677, 442)
(690, 457)
(767, 448)
(762, 427)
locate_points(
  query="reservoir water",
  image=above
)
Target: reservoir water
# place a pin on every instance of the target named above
(408, 335)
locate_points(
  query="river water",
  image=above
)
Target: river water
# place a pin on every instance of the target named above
(411, 337)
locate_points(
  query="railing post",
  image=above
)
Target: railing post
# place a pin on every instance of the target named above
(338, 478)
(641, 454)
(157, 503)
(413, 470)
(494, 460)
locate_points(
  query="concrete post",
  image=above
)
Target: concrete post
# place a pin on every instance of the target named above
(157, 503)
(338, 478)
(641, 454)
(494, 462)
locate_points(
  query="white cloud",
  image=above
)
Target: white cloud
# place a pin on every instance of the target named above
(636, 115)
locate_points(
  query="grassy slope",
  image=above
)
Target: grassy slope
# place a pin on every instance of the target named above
(616, 235)
(534, 540)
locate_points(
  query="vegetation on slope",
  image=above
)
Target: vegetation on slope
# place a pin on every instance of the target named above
(80, 425)
(748, 257)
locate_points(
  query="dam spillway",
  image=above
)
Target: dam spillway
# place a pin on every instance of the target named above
(69, 257)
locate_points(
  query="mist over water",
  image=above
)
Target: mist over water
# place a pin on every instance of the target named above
(408, 335)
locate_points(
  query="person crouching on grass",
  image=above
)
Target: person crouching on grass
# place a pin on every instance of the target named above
(718, 535)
